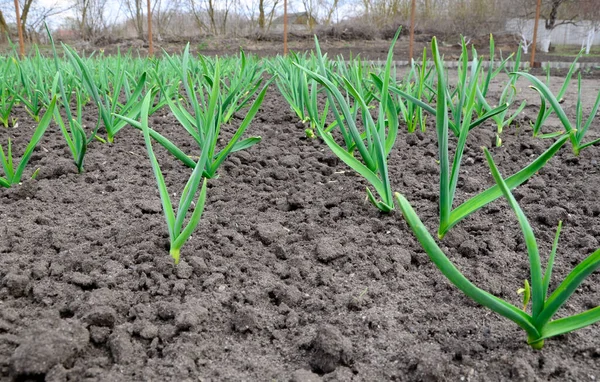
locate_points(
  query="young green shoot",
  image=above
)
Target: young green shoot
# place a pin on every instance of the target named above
(13, 175)
(6, 105)
(546, 110)
(108, 102)
(205, 122)
(538, 325)
(503, 119)
(72, 131)
(449, 171)
(375, 143)
(576, 131)
(179, 232)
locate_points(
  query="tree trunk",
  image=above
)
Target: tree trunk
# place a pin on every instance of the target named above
(261, 15)
(3, 26)
(524, 43)
(551, 20)
(550, 24)
(330, 11)
(140, 18)
(24, 14)
(544, 45)
(224, 25)
(83, 27)
(272, 14)
(427, 10)
(589, 40)
(211, 16)
(199, 22)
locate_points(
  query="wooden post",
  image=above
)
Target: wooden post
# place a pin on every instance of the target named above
(20, 29)
(411, 46)
(535, 31)
(285, 27)
(150, 44)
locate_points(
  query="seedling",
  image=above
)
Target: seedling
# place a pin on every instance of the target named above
(375, 143)
(13, 175)
(178, 232)
(538, 325)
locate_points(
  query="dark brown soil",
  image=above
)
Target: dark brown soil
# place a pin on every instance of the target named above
(372, 49)
(291, 275)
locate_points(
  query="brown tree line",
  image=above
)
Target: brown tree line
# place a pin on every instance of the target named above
(90, 19)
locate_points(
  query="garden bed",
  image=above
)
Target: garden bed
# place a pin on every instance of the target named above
(291, 274)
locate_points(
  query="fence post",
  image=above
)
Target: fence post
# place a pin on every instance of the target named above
(285, 27)
(535, 31)
(150, 44)
(20, 29)
(411, 44)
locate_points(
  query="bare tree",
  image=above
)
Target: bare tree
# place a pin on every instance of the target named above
(3, 26)
(329, 7)
(311, 7)
(553, 12)
(210, 9)
(163, 13)
(212, 16)
(204, 14)
(24, 16)
(228, 5)
(389, 10)
(90, 17)
(525, 30)
(476, 17)
(521, 15)
(83, 6)
(32, 15)
(199, 15)
(266, 12)
(590, 17)
(135, 10)
(386, 12)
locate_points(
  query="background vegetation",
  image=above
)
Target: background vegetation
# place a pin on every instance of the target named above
(104, 21)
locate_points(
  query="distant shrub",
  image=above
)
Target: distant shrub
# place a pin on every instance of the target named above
(349, 30)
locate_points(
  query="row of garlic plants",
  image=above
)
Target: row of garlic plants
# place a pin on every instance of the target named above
(355, 107)
(61, 87)
(203, 93)
(364, 143)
